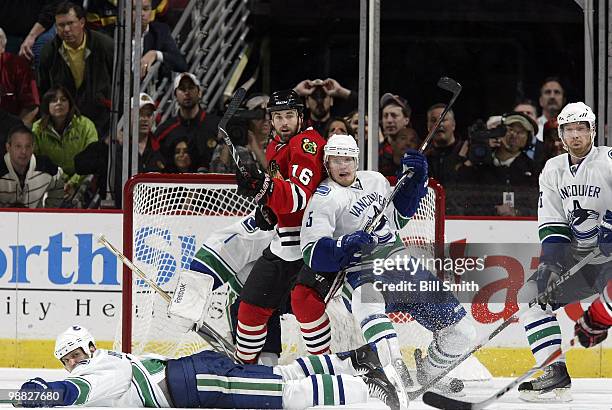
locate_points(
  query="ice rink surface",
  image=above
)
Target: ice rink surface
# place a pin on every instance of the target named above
(588, 394)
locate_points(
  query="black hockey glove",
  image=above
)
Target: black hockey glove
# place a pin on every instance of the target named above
(265, 219)
(256, 185)
(589, 332)
(546, 275)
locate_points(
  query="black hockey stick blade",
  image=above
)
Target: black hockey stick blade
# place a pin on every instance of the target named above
(448, 84)
(442, 402)
(232, 107)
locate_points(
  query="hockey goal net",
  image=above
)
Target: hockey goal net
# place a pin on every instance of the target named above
(168, 217)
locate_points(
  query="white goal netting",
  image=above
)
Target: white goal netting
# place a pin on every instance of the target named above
(169, 217)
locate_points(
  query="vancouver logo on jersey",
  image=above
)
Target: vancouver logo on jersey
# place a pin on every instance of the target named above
(583, 222)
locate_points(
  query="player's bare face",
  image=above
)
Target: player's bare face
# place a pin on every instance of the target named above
(285, 123)
(342, 169)
(577, 137)
(73, 358)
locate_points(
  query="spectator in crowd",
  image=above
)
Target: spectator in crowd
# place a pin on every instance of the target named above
(527, 107)
(41, 32)
(17, 19)
(191, 121)
(184, 158)
(552, 99)
(390, 156)
(62, 132)
(27, 180)
(17, 85)
(158, 45)
(336, 126)
(395, 115)
(250, 142)
(94, 158)
(320, 96)
(82, 61)
(102, 14)
(259, 128)
(553, 145)
(352, 120)
(506, 165)
(443, 150)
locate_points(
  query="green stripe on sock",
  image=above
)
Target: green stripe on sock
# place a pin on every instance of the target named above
(373, 331)
(317, 367)
(328, 390)
(541, 334)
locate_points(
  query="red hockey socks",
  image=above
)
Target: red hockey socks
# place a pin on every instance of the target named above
(309, 310)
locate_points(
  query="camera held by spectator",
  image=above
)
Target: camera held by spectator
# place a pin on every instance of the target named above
(480, 152)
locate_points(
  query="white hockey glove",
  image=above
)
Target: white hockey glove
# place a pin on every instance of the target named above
(191, 298)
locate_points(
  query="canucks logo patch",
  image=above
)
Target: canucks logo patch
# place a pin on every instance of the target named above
(309, 147)
(610, 153)
(322, 190)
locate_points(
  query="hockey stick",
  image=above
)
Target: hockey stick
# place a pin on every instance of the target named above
(541, 297)
(210, 335)
(447, 84)
(442, 402)
(231, 110)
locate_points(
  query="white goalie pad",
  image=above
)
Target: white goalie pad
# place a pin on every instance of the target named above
(191, 296)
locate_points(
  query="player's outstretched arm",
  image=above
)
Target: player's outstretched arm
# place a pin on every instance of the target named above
(409, 197)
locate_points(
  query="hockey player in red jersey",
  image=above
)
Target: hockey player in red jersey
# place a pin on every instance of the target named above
(295, 170)
(592, 328)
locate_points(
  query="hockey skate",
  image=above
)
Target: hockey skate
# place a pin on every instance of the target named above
(363, 359)
(553, 385)
(381, 388)
(446, 385)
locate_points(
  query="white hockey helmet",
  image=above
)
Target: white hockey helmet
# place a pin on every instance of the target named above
(341, 146)
(72, 338)
(576, 112)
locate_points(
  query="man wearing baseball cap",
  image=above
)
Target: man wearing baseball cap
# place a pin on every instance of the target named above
(191, 121)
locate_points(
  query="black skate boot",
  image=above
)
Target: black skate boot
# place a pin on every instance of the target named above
(381, 388)
(446, 385)
(554, 385)
(363, 359)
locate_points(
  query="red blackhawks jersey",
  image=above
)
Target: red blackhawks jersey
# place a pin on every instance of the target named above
(297, 169)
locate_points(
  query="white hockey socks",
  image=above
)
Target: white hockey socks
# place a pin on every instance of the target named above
(543, 332)
(311, 365)
(447, 346)
(369, 310)
(324, 390)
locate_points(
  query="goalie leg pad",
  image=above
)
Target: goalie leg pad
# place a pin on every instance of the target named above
(191, 296)
(324, 389)
(309, 310)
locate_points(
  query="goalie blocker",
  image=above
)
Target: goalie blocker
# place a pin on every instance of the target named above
(191, 297)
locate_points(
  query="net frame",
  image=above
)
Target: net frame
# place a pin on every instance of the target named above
(436, 198)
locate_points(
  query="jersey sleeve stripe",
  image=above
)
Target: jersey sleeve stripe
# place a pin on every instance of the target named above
(83, 387)
(550, 230)
(307, 253)
(299, 198)
(144, 387)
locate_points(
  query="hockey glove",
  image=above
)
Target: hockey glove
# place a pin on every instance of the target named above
(348, 245)
(40, 393)
(546, 275)
(588, 331)
(408, 198)
(265, 219)
(257, 185)
(605, 234)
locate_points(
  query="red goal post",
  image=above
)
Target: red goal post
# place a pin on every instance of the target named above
(167, 216)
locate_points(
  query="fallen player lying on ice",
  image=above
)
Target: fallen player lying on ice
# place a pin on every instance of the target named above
(206, 380)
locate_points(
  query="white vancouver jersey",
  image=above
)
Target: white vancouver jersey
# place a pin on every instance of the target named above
(231, 251)
(113, 379)
(335, 210)
(574, 199)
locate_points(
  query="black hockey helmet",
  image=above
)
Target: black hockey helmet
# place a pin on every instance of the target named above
(285, 100)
